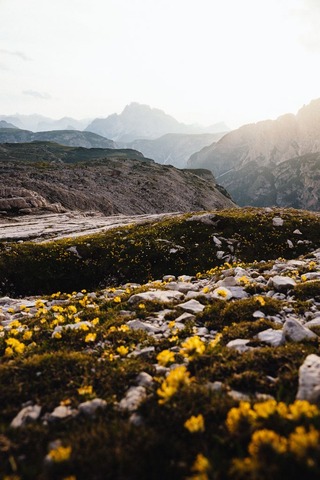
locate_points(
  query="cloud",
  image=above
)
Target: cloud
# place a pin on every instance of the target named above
(35, 94)
(15, 53)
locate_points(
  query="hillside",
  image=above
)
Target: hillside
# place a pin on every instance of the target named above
(189, 349)
(261, 147)
(174, 149)
(141, 121)
(4, 124)
(293, 183)
(103, 180)
(72, 138)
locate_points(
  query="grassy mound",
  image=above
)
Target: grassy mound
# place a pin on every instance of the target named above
(144, 252)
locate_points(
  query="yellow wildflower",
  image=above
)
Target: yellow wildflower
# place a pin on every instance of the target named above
(238, 416)
(14, 324)
(9, 352)
(176, 378)
(216, 340)
(60, 454)
(193, 347)
(195, 424)
(86, 390)
(84, 327)
(117, 299)
(171, 324)
(173, 338)
(261, 300)
(266, 438)
(95, 321)
(123, 328)
(18, 347)
(302, 408)
(27, 335)
(244, 280)
(201, 467)
(122, 350)
(165, 357)
(304, 278)
(222, 292)
(57, 335)
(141, 306)
(90, 337)
(72, 309)
(302, 441)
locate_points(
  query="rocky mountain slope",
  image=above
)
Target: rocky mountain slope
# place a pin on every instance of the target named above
(141, 121)
(200, 369)
(174, 148)
(261, 147)
(293, 183)
(108, 181)
(72, 138)
(4, 124)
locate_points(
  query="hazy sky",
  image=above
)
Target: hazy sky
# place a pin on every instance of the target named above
(202, 61)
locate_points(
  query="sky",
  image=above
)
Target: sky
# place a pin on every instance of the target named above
(201, 61)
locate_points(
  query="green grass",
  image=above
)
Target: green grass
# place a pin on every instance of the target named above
(138, 254)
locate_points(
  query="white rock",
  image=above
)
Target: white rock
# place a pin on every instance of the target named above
(238, 293)
(217, 241)
(168, 278)
(26, 415)
(91, 406)
(315, 322)
(290, 244)
(144, 379)
(281, 283)
(60, 412)
(133, 399)
(185, 278)
(239, 344)
(271, 337)
(277, 222)
(297, 232)
(294, 331)
(192, 306)
(163, 296)
(146, 327)
(309, 379)
(185, 317)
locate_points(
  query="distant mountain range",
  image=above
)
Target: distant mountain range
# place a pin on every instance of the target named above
(72, 138)
(139, 121)
(36, 177)
(249, 161)
(39, 123)
(174, 148)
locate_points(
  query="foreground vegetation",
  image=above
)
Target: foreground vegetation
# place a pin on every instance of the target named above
(200, 410)
(149, 251)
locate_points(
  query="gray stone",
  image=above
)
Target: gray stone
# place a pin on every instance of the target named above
(294, 331)
(192, 306)
(26, 415)
(277, 222)
(281, 283)
(91, 406)
(133, 398)
(271, 337)
(185, 317)
(162, 296)
(60, 412)
(315, 322)
(309, 379)
(144, 379)
(146, 327)
(239, 344)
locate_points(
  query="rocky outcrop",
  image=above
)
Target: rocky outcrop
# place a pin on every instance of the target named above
(18, 201)
(255, 162)
(113, 182)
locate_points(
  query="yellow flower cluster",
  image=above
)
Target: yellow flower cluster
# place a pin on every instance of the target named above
(192, 347)
(165, 357)
(195, 424)
(14, 346)
(177, 378)
(200, 468)
(60, 454)
(244, 415)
